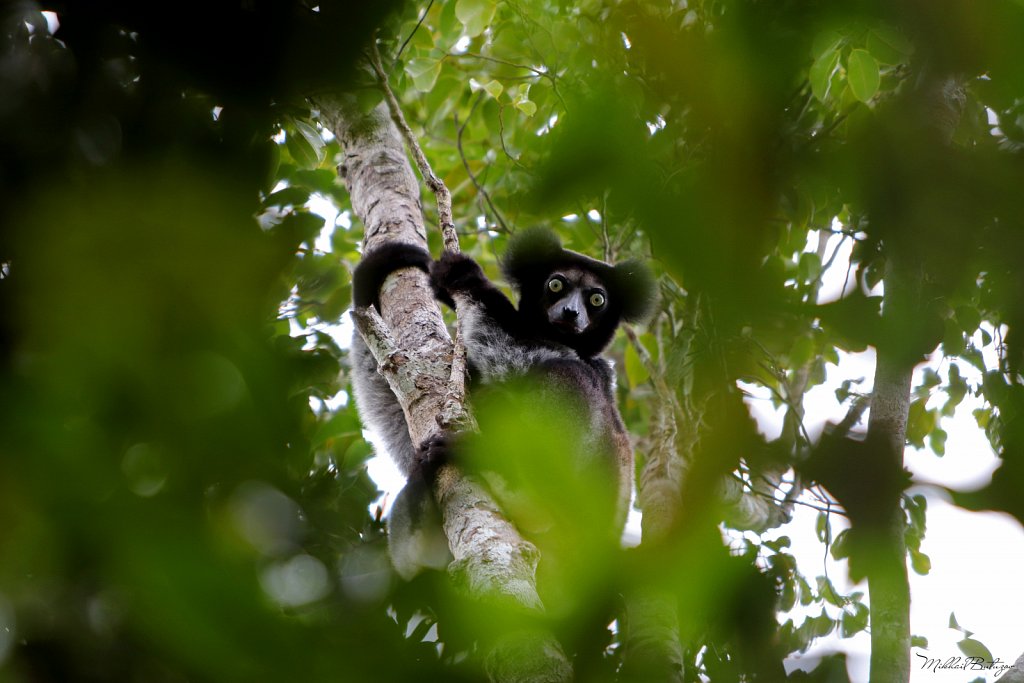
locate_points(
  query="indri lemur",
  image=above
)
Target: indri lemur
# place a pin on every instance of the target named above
(546, 350)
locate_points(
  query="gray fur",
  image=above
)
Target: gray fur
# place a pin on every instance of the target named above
(378, 407)
(416, 540)
(496, 356)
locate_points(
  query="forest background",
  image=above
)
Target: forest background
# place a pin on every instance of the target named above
(183, 484)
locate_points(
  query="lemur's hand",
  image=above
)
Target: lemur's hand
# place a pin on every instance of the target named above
(455, 273)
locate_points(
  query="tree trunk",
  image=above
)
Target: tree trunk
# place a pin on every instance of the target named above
(888, 585)
(491, 560)
(940, 106)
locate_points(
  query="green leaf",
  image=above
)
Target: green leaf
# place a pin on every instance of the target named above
(356, 454)
(823, 528)
(888, 45)
(806, 594)
(954, 343)
(636, 373)
(953, 624)
(339, 425)
(920, 422)
(862, 74)
(840, 547)
(331, 308)
(303, 153)
(802, 351)
(956, 391)
(921, 563)
(969, 318)
(972, 356)
(821, 73)
(368, 98)
(295, 196)
(494, 88)
(304, 143)
(929, 380)
(974, 648)
(917, 508)
(822, 624)
(937, 441)
(826, 41)
(475, 15)
(809, 266)
(423, 72)
(828, 592)
(854, 622)
(526, 106)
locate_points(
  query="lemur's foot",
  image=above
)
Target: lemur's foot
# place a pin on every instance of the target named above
(432, 453)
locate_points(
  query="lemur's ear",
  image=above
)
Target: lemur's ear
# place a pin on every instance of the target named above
(634, 287)
(530, 252)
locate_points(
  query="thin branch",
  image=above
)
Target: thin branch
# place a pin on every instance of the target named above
(501, 138)
(465, 163)
(604, 228)
(827, 508)
(441, 193)
(816, 284)
(853, 416)
(665, 394)
(541, 73)
(417, 28)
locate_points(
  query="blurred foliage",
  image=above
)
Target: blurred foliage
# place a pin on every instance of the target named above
(183, 490)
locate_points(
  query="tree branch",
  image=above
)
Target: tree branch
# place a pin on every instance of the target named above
(441, 193)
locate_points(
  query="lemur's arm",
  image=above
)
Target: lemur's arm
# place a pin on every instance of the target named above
(456, 274)
(493, 328)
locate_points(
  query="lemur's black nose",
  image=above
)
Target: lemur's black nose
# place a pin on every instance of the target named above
(570, 313)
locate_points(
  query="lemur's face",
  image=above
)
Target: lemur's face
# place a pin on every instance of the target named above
(575, 300)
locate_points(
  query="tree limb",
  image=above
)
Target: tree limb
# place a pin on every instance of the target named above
(440, 190)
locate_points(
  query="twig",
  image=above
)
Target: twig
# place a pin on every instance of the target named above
(606, 240)
(764, 494)
(853, 416)
(440, 190)
(541, 73)
(664, 393)
(415, 29)
(465, 164)
(501, 137)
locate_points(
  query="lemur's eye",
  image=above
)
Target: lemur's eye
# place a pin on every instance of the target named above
(555, 285)
(597, 299)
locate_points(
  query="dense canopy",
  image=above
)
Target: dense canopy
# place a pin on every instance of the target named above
(184, 491)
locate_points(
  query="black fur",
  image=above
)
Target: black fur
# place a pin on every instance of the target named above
(541, 360)
(532, 255)
(505, 344)
(381, 262)
(551, 341)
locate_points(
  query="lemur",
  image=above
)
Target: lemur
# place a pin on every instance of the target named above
(534, 361)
